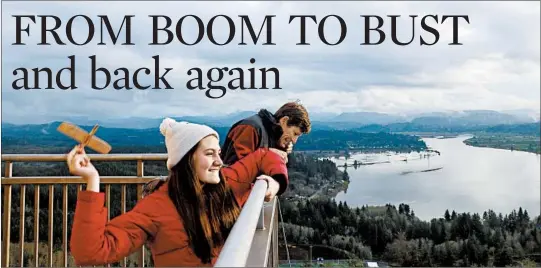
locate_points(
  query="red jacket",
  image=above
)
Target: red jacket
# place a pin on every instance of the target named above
(247, 135)
(155, 219)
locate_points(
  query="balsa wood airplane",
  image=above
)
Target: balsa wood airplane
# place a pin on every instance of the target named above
(85, 138)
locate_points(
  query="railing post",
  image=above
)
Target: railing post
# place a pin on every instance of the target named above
(275, 232)
(6, 226)
(122, 211)
(51, 217)
(261, 221)
(22, 207)
(36, 225)
(7, 217)
(140, 173)
(65, 224)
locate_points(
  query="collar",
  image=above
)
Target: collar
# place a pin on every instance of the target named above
(271, 124)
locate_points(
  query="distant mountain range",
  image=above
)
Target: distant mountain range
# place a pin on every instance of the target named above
(350, 120)
(470, 118)
(143, 123)
(31, 138)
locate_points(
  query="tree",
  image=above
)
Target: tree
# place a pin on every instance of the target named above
(526, 216)
(435, 230)
(474, 251)
(477, 228)
(503, 257)
(493, 220)
(447, 215)
(345, 176)
(389, 212)
(398, 252)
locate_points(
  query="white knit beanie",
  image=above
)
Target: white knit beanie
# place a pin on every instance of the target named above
(181, 137)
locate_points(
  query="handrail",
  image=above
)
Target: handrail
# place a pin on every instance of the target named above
(74, 180)
(93, 157)
(237, 246)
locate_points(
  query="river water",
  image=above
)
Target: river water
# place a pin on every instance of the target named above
(471, 179)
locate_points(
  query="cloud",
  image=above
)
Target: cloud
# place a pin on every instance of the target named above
(497, 68)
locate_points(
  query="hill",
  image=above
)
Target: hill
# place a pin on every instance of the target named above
(346, 120)
(46, 137)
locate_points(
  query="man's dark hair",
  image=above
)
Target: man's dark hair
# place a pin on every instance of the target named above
(298, 116)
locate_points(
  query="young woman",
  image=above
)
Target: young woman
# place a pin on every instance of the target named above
(187, 219)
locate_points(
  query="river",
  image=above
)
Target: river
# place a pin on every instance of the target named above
(471, 179)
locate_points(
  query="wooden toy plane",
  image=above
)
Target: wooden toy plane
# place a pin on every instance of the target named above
(85, 138)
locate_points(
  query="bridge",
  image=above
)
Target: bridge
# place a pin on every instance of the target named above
(253, 241)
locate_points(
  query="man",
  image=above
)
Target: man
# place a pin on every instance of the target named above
(278, 131)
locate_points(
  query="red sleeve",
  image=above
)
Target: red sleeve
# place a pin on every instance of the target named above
(96, 242)
(241, 175)
(245, 140)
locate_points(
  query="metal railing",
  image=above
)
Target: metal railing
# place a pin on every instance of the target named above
(249, 241)
(252, 225)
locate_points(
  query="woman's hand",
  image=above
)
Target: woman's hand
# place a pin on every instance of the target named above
(272, 187)
(79, 165)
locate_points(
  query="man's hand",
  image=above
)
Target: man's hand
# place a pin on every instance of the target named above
(281, 153)
(272, 189)
(289, 148)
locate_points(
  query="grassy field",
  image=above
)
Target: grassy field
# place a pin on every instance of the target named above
(507, 142)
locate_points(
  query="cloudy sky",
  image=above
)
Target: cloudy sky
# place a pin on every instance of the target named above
(497, 67)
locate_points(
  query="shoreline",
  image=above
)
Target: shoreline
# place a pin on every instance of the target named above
(339, 187)
(329, 190)
(504, 149)
(505, 146)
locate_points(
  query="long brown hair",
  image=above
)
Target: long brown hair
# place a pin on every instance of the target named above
(208, 211)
